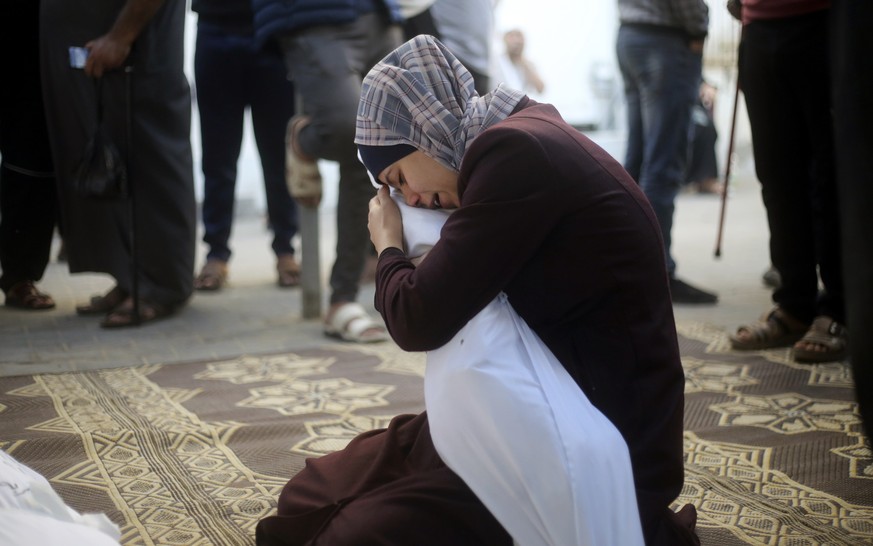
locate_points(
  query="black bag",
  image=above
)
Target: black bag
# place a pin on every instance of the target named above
(102, 172)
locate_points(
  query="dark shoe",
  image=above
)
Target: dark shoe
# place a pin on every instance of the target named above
(24, 295)
(682, 292)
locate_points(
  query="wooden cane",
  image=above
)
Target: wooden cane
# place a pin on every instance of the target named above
(727, 170)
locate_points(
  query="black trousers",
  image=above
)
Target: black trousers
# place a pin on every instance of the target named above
(852, 70)
(784, 74)
(28, 195)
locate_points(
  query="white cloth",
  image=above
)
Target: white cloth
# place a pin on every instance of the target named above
(510, 421)
(32, 513)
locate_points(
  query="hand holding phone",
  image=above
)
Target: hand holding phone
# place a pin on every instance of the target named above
(78, 57)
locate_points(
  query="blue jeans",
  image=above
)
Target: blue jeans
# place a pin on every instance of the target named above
(232, 74)
(661, 79)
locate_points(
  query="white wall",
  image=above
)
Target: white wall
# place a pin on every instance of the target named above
(570, 43)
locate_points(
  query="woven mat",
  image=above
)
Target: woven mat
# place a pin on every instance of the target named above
(195, 454)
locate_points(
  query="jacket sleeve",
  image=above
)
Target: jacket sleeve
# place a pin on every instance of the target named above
(507, 210)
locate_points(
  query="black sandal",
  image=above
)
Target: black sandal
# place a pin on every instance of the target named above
(100, 305)
(122, 316)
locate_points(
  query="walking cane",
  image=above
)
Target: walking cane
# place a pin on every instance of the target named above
(134, 262)
(727, 169)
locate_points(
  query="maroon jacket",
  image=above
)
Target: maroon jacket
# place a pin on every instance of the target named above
(552, 220)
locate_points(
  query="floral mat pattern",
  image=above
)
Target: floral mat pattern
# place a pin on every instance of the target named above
(196, 453)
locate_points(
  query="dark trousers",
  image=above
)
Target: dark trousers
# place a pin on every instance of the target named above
(785, 79)
(28, 195)
(327, 65)
(232, 74)
(852, 70)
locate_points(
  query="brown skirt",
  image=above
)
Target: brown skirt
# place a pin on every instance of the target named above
(386, 487)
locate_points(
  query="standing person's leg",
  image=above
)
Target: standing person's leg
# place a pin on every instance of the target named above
(852, 69)
(627, 61)
(271, 97)
(28, 208)
(789, 119)
(220, 62)
(327, 65)
(28, 195)
(779, 138)
(663, 74)
(826, 340)
(668, 89)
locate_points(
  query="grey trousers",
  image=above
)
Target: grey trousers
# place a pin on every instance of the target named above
(327, 65)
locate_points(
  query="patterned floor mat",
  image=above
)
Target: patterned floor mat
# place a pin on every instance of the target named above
(195, 454)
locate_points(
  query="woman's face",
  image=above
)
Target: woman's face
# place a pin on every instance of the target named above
(423, 181)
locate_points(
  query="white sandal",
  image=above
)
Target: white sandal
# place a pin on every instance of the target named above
(350, 322)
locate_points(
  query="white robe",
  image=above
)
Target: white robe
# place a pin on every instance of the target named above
(32, 513)
(507, 418)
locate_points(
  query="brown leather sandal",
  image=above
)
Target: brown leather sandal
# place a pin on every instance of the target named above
(212, 277)
(826, 333)
(100, 305)
(24, 295)
(289, 271)
(776, 328)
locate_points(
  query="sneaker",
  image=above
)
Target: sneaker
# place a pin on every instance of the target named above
(682, 292)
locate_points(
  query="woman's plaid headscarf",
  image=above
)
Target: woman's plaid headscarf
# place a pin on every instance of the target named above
(421, 95)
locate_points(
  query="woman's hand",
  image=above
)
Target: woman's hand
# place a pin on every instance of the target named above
(384, 222)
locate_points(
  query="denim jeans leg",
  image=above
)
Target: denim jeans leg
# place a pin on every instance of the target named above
(219, 63)
(661, 77)
(271, 98)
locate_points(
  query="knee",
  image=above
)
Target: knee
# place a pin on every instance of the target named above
(335, 133)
